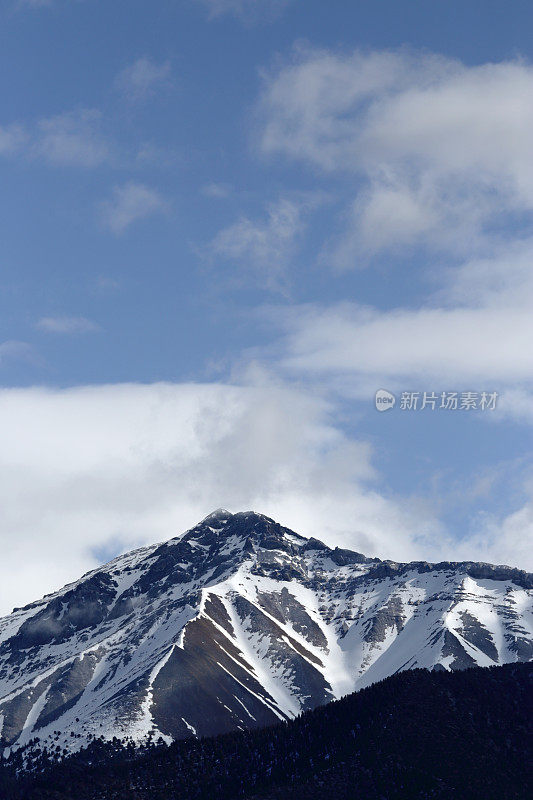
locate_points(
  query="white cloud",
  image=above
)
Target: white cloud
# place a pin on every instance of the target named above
(441, 158)
(265, 247)
(130, 203)
(82, 468)
(460, 344)
(67, 325)
(394, 215)
(73, 138)
(475, 330)
(139, 80)
(441, 153)
(246, 10)
(370, 109)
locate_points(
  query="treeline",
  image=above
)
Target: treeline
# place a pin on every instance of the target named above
(418, 735)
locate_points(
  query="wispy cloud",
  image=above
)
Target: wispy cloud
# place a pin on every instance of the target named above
(12, 139)
(263, 248)
(74, 138)
(67, 325)
(35, 3)
(131, 203)
(472, 333)
(249, 11)
(437, 157)
(487, 345)
(104, 283)
(139, 80)
(440, 152)
(501, 539)
(217, 190)
(13, 349)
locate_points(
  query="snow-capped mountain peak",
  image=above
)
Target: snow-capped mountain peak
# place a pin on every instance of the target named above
(240, 622)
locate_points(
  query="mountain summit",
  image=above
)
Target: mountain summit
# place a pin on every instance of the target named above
(239, 623)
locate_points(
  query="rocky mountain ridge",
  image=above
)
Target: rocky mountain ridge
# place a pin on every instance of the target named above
(238, 623)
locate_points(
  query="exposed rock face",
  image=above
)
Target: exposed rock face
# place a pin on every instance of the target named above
(238, 623)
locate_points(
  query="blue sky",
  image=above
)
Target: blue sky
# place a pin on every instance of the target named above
(224, 225)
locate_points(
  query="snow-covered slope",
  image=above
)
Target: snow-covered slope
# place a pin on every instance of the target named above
(239, 623)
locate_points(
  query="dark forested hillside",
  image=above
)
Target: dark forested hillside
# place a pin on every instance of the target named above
(418, 734)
